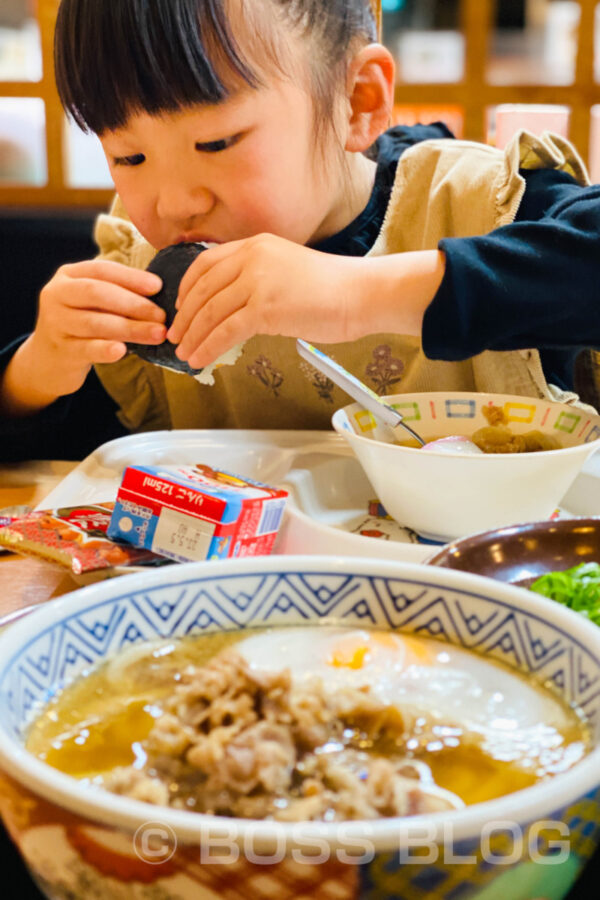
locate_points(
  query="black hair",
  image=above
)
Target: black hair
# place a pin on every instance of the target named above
(114, 58)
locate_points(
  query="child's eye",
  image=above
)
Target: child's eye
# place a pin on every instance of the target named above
(135, 160)
(217, 146)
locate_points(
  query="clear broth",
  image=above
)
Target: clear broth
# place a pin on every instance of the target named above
(101, 721)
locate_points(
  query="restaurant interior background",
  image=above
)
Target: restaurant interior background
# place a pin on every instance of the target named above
(460, 61)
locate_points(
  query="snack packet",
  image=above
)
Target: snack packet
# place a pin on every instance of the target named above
(75, 537)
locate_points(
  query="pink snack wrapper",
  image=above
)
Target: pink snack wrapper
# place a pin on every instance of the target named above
(73, 536)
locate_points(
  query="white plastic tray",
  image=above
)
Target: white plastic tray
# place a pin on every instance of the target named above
(330, 496)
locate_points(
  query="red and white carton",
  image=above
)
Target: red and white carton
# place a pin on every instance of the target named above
(196, 512)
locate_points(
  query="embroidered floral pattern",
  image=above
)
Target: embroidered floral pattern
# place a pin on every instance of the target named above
(322, 384)
(385, 370)
(262, 369)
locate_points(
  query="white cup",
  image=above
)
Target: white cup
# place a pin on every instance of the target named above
(534, 117)
(594, 157)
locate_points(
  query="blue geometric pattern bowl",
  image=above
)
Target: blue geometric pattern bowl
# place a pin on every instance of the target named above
(78, 841)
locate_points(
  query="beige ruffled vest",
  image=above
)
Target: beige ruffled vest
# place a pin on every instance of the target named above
(443, 188)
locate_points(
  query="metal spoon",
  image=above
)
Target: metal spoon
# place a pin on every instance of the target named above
(356, 389)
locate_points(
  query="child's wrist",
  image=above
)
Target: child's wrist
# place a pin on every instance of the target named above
(402, 287)
(365, 311)
(30, 383)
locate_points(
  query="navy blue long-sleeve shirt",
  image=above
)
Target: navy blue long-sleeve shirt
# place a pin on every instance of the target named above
(529, 284)
(533, 283)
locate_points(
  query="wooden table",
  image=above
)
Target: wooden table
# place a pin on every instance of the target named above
(25, 581)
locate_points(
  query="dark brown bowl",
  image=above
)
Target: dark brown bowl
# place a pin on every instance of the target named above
(521, 553)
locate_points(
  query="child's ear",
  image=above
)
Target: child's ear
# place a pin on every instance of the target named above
(370, 93)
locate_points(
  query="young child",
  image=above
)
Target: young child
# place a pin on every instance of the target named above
(260, 125)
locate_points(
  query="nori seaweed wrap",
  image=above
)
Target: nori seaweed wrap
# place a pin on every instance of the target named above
(170, 264)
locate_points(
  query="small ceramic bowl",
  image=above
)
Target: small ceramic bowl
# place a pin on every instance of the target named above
(443, 495)
(521, 553)
(79, 842)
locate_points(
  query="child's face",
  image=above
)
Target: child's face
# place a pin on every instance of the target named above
(221, 173)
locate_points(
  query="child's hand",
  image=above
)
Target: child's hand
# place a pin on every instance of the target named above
(87, 313)
(265, 285)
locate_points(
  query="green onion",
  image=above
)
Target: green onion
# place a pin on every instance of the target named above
(578, 588)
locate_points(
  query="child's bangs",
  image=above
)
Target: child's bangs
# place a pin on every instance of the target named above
(116, 58)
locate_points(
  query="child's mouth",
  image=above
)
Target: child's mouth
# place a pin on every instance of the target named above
(193, 238)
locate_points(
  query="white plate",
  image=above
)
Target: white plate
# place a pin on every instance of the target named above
(330, 495)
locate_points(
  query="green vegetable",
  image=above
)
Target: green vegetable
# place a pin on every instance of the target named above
(578, 588)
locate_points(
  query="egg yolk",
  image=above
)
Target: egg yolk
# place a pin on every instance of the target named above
(355, 652)
(348, 657)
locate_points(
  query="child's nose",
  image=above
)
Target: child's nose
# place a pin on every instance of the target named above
(179, 202)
